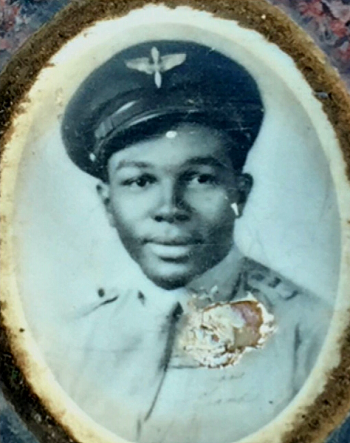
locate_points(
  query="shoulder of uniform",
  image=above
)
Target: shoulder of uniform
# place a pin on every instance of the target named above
(270, 283)
(275, 290)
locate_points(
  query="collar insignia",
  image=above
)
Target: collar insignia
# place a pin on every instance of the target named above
(156, 64)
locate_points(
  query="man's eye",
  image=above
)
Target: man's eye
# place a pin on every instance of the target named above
(206, 178)
(139, 182)
(202, 179)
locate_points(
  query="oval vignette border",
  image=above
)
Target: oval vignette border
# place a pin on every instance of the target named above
(332, 405)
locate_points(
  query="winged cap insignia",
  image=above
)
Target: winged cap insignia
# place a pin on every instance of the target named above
(156, 64)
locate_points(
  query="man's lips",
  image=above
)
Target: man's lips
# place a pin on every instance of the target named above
(170, 252)
(173, 240)
(174, 249)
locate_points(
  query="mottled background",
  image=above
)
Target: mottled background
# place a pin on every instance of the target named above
(327, 21)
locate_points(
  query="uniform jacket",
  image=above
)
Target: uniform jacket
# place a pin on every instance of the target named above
(121, 369)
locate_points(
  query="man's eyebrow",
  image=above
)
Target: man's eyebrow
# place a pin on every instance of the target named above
(207, 160)
(131, 163)
(200, 160)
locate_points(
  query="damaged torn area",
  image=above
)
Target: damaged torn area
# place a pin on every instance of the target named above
(218, 335)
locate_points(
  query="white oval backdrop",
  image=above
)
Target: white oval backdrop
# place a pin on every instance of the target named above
(64, 248)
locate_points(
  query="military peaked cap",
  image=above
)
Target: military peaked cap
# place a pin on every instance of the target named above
(150, 87)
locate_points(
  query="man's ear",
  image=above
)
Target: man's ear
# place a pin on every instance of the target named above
(244, 186)
(103, 191)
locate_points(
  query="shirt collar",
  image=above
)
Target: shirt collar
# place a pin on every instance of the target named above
(219, 284)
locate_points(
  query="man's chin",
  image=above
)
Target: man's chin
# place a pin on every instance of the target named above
(169, 283)
(174, 274)
(170, 279)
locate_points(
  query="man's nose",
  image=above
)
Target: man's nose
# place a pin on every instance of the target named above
(172, 207)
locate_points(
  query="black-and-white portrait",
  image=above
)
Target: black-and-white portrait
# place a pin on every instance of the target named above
(176, 227)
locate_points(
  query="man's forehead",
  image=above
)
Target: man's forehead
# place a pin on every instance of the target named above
(185, 144)
(210, 161)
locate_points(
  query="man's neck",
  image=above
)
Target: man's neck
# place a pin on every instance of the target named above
(219, 282)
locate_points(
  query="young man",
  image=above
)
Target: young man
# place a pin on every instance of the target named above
(180, 355)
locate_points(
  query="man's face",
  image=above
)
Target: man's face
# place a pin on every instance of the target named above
(170, 199)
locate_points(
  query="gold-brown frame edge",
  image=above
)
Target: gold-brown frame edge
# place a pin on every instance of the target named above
(332, 405)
